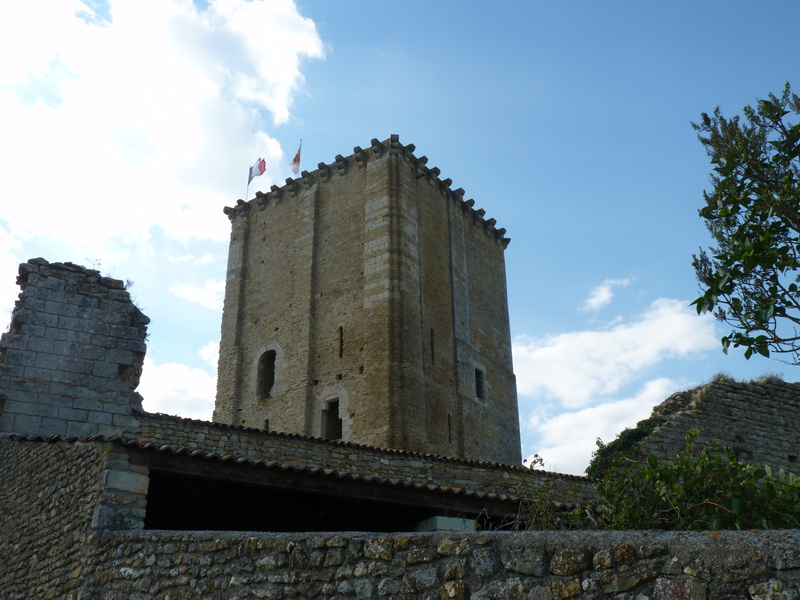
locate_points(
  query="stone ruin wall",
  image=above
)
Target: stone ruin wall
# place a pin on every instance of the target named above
(71, 359)
(54, 544)
(759, 420)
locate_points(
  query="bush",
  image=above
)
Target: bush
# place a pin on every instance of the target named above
(703, 488)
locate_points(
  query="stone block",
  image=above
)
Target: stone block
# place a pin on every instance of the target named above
(126, 421)
(29, 329)
(122, 357)
(47, 361)
(72, 414)
(80, 429)
(37, 373)
(127, 481)
(73, 364)
(101, 418)
(8, 371)
(570, 561)
(124, 331)
(105, 369)
(117, 406)
(526, 560)
(20, 357)
(46, 319)
(53, 283)
(26, 424)
(59, 309)
(132, 345)
(51, 426)
(679, 589)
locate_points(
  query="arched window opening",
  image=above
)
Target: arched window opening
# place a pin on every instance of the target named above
(331, 421)
(266, 374)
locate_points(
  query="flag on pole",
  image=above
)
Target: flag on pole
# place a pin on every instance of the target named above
(296, 160)
(257, 169)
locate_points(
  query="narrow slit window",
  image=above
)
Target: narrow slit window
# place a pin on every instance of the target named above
(480, 384)
(341, 341)
(433, 348)
(331, 421)
(266, 374)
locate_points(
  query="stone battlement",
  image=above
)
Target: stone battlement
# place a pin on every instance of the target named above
(361, 157)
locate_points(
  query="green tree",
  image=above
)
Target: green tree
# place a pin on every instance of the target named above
(749, 280)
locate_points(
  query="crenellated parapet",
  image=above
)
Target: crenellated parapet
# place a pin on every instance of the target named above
(361, 157)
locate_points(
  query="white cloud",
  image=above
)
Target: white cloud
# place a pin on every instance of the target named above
(147, 121)
(602, 295)
(566, 441)
(577, 367)
(177, 389)
(210, 354)
(210, 295)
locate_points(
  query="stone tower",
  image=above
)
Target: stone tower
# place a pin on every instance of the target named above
(366, 302)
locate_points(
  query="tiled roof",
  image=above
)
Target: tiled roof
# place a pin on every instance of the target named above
(271, 464)
(438, 457)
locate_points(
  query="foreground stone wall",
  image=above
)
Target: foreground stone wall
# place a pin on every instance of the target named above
(71, 359)
(363, 460)
(508, 566)
(760, 420)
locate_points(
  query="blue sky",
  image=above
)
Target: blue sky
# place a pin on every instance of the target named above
(128, 125)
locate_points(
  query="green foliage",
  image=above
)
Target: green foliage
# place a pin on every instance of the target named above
(607, 454)
(705, 487)
(750, 279)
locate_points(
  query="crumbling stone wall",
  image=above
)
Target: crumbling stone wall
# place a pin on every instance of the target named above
(760, 420)
(71, 359)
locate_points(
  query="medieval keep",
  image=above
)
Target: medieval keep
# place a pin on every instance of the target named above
(367, 303)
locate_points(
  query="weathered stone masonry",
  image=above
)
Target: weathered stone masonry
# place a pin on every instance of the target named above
(71, 360)
(759, 420)
(366, 301)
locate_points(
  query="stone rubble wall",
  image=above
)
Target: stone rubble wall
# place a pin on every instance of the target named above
(760, 420)
(55, 544)
(48, 497)
(478, 566)
(307, 452)
(71, 360)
